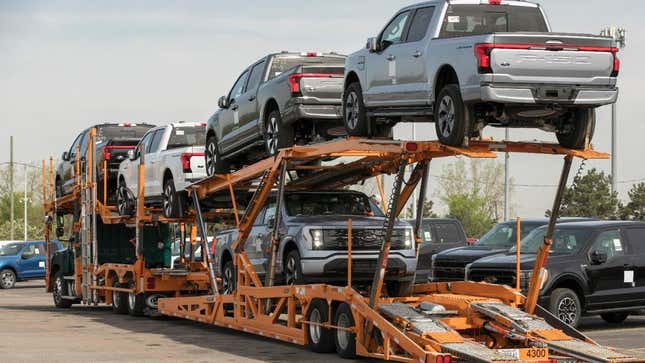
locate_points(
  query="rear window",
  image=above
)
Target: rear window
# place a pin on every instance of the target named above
(280, 65)
(447, 233)
(636, 237)
(337, 70)
(115, 132)
(187, 136)
(466, 20)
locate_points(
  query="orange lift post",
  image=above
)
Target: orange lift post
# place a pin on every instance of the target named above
(436, 322)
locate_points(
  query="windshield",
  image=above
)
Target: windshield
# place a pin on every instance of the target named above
(565, 241)
(466, 20)
(310, 204)
(504, 235)
(281, 64)
(185, 136)
(10, 249)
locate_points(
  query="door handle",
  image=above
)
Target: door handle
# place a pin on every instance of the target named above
(391, 57)
(251, 98)
(235, 107)
(417, 54)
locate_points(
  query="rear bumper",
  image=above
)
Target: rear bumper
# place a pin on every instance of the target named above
(297, 112)
(532, 95)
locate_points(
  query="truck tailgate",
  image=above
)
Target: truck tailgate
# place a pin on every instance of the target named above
(321, 83)
(552, 58)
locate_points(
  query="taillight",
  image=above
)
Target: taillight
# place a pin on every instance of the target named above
(616, 70)
(482, 53)
(443, 359)
(411, 146)
(185, 161)
(294, 79)
(495, 2)
(106, 154)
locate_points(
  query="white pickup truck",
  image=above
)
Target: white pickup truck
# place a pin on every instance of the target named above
(465, 64)
(174, 159)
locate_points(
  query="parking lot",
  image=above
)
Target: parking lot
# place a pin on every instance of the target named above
(32, 330)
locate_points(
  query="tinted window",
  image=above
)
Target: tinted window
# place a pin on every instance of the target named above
(10, 249)
(609, 242)
(238, 88)
(565, 241)
(393, 33)
(504, 235)
(145, 143)
(281, 64)
(447, 233)
(636, 237)
(269, 213)
(420, 23)
(116, 132)
(466, 20)
(156, 140)
(187, 136)
(77, 142)
(309, 204)
(256, 77)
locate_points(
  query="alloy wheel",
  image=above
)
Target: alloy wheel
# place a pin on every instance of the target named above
(168, 200)
(446, 116)
(272, 135)
(58, 290)
(8, 279)
(291, 271)
(122, 201)
(227, 281)
(211, 158)
(567, 310)
(352, 110)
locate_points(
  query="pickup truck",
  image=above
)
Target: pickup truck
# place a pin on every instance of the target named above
(174, 159)
(113, 141)
(465, 64)
(22, 261)
(280, 100)
(313, 241)
(594, 268)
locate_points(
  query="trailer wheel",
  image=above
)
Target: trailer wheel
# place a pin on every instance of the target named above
(614, 318)
(345, 341)
(60, 290)
(136, 303)
(451, 116)
(119, 300)
(321, 340)
(582, 123)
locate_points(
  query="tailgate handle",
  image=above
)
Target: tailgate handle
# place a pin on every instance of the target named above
(391, 57)
(417, 54)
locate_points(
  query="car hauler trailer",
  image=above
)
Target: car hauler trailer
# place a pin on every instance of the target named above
(120, 261)
(435, 322)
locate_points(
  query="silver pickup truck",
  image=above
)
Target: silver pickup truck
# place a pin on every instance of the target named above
(465, 64)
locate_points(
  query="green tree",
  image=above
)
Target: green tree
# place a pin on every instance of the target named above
(35, 212)
(635, 209)
(473, 193)
(590, 196)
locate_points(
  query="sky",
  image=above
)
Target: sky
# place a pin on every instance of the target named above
(65, 65)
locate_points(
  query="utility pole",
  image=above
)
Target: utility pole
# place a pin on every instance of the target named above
(618, 34)
(507, 156)
(11, 184)
(25, 200)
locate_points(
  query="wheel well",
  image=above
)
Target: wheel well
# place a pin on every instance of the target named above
(351, 78)
(167, 175)
(288, 247)
(226, 257)
(271, 105)
(446, 75)
(10, 268)
(570, 284)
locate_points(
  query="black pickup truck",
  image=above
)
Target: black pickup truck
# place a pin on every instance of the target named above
(594, 268)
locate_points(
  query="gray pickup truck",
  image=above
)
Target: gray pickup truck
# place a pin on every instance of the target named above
(280, 100)
(313, 241)
(465, 64)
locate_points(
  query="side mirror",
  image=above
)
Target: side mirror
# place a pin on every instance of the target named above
(131, 155)
(271, 221)
(65, 156)
(223, 102)
(598, 257)
(372, 45)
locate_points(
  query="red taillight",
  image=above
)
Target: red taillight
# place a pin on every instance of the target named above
(495, 2)
(185, 161)
(482, 53)
(106, 154)
(313, 54)
(294, 79)
(616, 70)
(150, 283)
(443, 359)
(411, 146)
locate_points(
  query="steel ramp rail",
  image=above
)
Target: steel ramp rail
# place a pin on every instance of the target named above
(557, 341)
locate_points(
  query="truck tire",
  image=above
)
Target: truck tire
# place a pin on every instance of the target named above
(614, 318)
(451, 116)
(214, 163)
(582, 123)
(292, 269)
(119, 300)
(344, 340)
(354, 113)
(7, 279)
(172, 201)
(228, 278)
(320, 340)
(124, 201)
(136, 303)
(276, 135)
(565, 305)
(60, 290)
